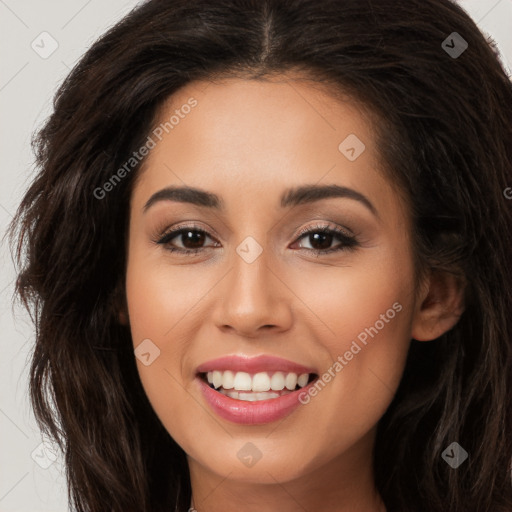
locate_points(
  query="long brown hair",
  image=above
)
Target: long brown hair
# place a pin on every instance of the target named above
(445, 137)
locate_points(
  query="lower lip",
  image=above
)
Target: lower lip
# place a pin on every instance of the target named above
(251, 413)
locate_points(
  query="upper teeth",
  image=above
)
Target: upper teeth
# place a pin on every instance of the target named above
(243, 381)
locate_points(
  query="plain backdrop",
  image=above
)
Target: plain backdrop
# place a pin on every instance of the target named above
(31, 478)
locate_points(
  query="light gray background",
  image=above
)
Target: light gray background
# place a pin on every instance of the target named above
(27, 85)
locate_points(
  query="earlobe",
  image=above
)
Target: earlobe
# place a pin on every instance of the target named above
(440, 308)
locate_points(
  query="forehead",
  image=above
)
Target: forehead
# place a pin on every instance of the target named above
(247, 135)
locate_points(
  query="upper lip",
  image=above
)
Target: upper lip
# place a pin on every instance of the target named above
(262, 363)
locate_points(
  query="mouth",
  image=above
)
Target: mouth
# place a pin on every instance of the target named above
(253, 390)
(256, 387)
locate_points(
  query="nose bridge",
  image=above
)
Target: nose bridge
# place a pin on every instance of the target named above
(253, 297)
(250, 284)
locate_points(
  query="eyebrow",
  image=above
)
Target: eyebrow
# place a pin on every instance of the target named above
(291, 197)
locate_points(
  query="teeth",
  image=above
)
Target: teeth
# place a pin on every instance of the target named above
(291, 381)
(260, 383)
(251, 397)
(228, 380)
(277, 381)
(303, 380)
(217, 379)
(243, 381)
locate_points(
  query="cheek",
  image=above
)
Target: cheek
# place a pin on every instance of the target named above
(364, 318)
(368, 315)
(154, 308)
(164, 305)
(158, 294)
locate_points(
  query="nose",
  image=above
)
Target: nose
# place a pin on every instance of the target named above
(253, 298)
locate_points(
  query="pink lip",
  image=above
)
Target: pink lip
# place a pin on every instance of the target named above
(251, 413)
(263, 363)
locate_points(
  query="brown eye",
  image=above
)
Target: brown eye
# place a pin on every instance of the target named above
(321, 238)
(320, 241)
(192, 240)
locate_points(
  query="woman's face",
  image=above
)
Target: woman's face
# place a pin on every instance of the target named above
(260, 304)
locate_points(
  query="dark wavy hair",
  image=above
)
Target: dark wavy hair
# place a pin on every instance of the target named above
(444, 132)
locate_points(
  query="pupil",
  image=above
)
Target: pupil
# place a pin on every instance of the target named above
(322, 236)
(195, 237)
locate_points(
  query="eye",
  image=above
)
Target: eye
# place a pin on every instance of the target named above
(321, 237)
(192, 239)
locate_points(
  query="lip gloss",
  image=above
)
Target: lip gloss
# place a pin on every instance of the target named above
(251, 413)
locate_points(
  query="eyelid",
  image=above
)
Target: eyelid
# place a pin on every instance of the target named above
(176, 230)
(161, 232)
(164, 227)
(348, 238)
(349, 241)
(329, 226)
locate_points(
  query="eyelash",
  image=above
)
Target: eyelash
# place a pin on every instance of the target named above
(349, 242)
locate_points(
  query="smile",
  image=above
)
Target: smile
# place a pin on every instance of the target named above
(258, 386)
(254, 390)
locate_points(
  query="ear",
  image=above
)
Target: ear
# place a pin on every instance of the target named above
(439, 307)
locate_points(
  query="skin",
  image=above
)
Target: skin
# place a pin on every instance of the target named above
(247, 141)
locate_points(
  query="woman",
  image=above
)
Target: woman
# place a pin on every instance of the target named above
(268, 255)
